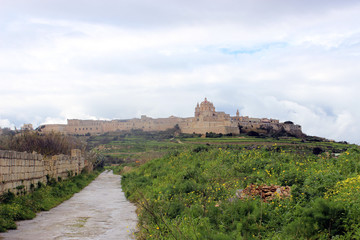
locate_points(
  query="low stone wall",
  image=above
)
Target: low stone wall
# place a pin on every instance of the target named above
(18, 170)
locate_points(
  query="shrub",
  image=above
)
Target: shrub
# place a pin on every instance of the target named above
(7, 197)
(46, 144)
(191, 195)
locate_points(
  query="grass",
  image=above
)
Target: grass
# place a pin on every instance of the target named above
(129, 148)
(185, 195)
(43, 198)
(119, 148)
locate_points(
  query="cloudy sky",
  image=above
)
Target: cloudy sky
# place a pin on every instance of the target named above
(116, 59)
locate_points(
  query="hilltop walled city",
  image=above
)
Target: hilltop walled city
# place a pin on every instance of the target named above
(205, 120)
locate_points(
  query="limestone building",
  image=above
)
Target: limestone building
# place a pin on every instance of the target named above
(205, 119)
(27, 127)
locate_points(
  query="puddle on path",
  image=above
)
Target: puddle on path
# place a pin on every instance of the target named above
(99, 211)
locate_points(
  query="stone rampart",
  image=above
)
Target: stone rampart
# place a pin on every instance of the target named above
(19, 170)
(206, 119)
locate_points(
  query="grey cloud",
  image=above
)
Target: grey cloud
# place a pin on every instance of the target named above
(153, 61)
(138, 13)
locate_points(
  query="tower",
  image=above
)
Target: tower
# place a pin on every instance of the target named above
(197, 110)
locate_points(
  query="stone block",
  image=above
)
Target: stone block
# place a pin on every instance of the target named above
(5, 177)
(3, 170)
(75, 153)
(5, 187)
(12, 162)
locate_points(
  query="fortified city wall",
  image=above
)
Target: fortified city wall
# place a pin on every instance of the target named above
(19, 170)
(205, 119)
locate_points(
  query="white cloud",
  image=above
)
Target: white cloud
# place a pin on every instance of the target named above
(5, 123)
(287, 60)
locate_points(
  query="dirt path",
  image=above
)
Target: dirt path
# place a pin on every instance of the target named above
(99, 211)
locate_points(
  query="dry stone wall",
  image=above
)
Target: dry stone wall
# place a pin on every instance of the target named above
(18, 170)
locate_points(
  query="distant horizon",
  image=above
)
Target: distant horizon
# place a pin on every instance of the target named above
(64, 122)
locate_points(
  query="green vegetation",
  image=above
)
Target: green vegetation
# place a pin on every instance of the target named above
(135, 146)
(185, 185)
(190, 194)
(41, 198)
(139, 146)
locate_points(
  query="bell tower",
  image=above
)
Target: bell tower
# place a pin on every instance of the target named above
(197, 110)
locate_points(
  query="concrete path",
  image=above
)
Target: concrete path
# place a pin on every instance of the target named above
(99, 211)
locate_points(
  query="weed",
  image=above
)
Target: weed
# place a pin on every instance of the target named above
(186, 195)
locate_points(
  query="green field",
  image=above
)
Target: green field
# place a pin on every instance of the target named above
(136, 149)
(138, 146)
(185, 186)
(187, 195)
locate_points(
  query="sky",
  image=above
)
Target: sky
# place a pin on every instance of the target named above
(113, 59)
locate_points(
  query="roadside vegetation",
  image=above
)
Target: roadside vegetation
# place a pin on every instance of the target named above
(46, 144)
(41, 198)
(191, 194)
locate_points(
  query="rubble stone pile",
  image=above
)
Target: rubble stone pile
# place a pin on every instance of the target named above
(266, 192)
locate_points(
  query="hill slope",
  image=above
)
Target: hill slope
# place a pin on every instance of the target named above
(192, 194)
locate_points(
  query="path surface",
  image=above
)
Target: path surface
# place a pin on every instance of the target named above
(99, 211)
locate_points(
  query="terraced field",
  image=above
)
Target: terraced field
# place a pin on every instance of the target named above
(139, 147)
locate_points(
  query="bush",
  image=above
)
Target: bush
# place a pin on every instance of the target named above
(322, 216)
(46, 144)
(7, 197)
(191, 195)
(213, 135)
(253, 134)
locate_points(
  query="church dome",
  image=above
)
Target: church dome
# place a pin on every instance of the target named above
(207, 106)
